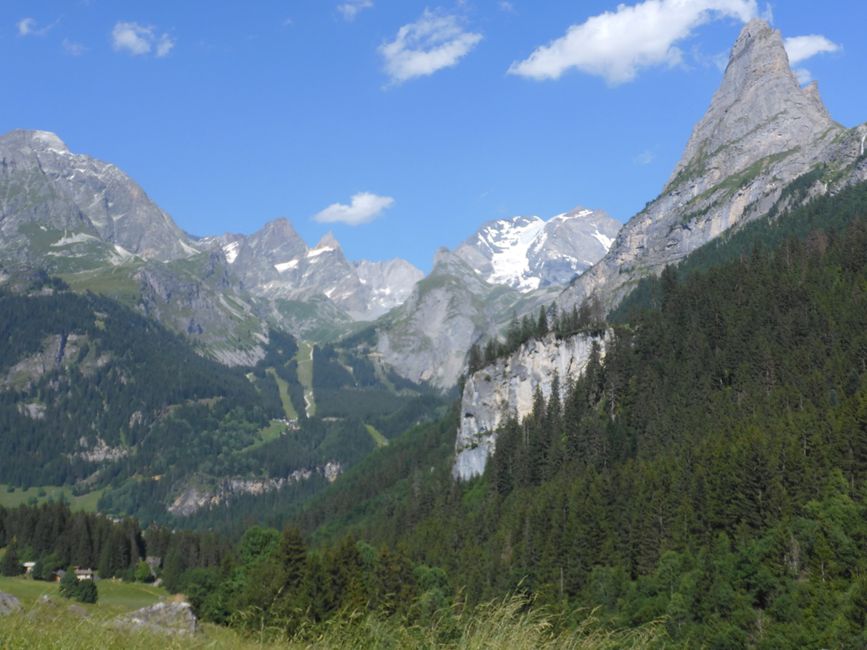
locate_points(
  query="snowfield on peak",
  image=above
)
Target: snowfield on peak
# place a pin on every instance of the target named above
(528, 253)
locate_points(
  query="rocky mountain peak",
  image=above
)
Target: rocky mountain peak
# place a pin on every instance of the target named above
(528, 253)
(277, 241)
(758, 111)
(328, 241)
(72, 197)
(36, 140)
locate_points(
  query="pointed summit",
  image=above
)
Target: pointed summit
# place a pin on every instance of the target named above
(759, 110)
(327, 242)
(277, 238)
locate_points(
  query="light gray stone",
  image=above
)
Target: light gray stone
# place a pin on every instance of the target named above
(9, 604)
(168, 618)
(506, 389)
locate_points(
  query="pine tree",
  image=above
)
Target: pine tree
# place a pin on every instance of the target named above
(11, 566)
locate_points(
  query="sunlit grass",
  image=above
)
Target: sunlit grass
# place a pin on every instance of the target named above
(34, 495)
(508, 623)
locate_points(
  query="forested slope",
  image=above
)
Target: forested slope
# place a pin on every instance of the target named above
(712, 470)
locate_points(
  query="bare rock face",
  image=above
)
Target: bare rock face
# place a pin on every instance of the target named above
(193, 498)
(45, 186)
(427, 338)
(9, 604)
(275, 263)
(167, 618)
(761, 132)
(386, 284)
(506, 389)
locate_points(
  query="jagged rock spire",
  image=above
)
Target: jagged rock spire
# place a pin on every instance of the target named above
(759, 110)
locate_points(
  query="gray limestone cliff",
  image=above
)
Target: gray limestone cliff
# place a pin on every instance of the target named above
(507, 387)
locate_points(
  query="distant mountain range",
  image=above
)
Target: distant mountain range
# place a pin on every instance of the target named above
(88, 222)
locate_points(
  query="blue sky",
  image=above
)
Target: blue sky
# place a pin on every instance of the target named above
(435, 117)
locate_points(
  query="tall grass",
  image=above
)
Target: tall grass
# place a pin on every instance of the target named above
(508, 623)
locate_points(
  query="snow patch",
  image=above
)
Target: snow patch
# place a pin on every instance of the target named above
(231, 251)
(285, 266)
(78, 238)
(510, 259)
(603, 239)
(119, 255)
(316, 252)
(189, 250)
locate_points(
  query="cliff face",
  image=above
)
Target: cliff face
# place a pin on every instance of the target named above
(506, 388)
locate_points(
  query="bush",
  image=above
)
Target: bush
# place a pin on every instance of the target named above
(84, 591)
(87, 591)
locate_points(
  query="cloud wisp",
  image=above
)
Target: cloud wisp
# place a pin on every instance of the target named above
(433, 42)
(801, 48)
(139, 40)
(73, 48)
(364, 207)
(349, 10)
(30, 27)
(616, 45)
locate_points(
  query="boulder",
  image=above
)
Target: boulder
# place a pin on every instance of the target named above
(9, 604)
(169, 618)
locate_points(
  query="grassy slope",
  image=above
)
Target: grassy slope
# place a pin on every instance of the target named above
(505, 624)
(115, 597)
(288, 408)
(378, 438)
(305, 374)
(85, 502)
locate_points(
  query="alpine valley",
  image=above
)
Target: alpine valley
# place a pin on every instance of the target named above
(655, 434)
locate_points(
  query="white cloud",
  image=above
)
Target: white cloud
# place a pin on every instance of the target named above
(506, 6)
(349, 10)
(138, 40)
(30, 27)
(644, 158)
(364, 207)
(801, 48)
(72, 48)
(803, 76)
(26, 26)
(164, 45)
(435, 41)
(615, 45)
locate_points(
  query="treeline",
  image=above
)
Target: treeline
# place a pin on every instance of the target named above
(54, 537)
(589, 318)
(828, 214)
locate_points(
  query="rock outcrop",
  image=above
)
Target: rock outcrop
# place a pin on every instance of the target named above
(196, 497)
(506, 389)
(165, 618)
(9, 604)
